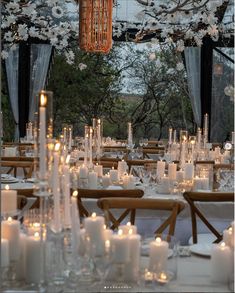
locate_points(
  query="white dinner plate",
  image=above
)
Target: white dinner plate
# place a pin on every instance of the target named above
(9, 180)
(203, 249)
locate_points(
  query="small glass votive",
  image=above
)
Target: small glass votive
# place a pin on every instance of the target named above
(147, 279)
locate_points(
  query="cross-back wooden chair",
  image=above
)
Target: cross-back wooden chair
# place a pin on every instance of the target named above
(218, 168)
(133, 204)
(100, 193)
(13, 165)
(194, 197)
(152, 151)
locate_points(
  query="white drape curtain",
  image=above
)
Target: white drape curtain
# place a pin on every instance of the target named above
(12, 79)
(193, 67)
(40, 58)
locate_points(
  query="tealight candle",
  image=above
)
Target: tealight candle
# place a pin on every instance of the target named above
(11, 232)
(8, 200)
(162, 278)
(221, 256)
(158, 254)
(4, 253)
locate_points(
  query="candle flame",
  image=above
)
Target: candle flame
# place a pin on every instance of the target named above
(230, 229)
(130, 232)
(7, 187)
(43, 99)
(163, 276)
(75, 193)
(222, 244)
(67, 159)
(107, 244)
(120, 232)
(9, 219)
(128, 224)
(104, 227)
(36, 235)
(57, 147)
(36, 225)
(93, 215)
(158, 240)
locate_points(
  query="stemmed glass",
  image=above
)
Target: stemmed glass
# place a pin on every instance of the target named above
(145, 142)
(145, 177)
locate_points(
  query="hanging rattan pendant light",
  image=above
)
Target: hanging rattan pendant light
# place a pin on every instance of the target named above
(95, 25)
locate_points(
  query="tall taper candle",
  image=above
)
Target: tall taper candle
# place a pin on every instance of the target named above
(42, 135)
(67, 214)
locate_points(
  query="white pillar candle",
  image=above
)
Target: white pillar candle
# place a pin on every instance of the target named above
(99, 138)
(170, 136)
(122, 167)
(33, 259)
(66, 189)
(99, 170)
(107, 234)
(11, 232)
(86, 149)
(165, 184)
(125, 179)
(158, 253)
(220, 263)
(188, 171)
(90, 146)
(131, 271)
(233, 137)
(94, 227)
(197, 183)
(172, 171)
(120, 248)
(8, 200)
(199, 136)
(205, 183)
(75, 224)
(182, 154)
(113, 175)
(160, 168)
(106, 180)
(83, 172)
(42, 136)
(92, 180)
(180, 176)
(70, 139)
(20, 266)
(126, 228)
(4, 253)
(228, 237)
(174, 136)
(56, 190)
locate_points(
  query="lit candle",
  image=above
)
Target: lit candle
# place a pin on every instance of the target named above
(98, 169)
(11, 232)
(98, 137)
(4, 253)
(188, 171)
(228, 237)
(174, 136)
(94, 227)
(132, 267)
(126, 228)
(180, 176)
(56, 190)
(106, 180)
(83, 172)
(122, 167)
(205, 128)
(8, 200)
(33, 259)
(120, 248)
(42, 135)
(160, 168)
(199, 136)
(86, 147)
(172, 171)
(113, 175)
(158, 254)
(66, 189)
(221, 258)
(75, 224)
(162, 278)
(70, 139)
(170, 136)
(92, 180)
(90, 144)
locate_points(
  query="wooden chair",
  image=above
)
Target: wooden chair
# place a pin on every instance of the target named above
(131, 204)
(99, 193)
(193, 197)
(13, 165)
(28, 193)
(218, 168)
(152, 151)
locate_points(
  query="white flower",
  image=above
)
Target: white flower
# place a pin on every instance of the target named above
(57, 12)
(23, 31)
(8, 36)
(170, 71)
(179, 66)
(12, 7)
(82, 66)
(213, 30)
(9, 20)
(33, 32)
(4, 54)
(198, 41)
(152, 56)
(52, 3)
(69, 55)
(158, 63)
(29, 9)
(180, 45)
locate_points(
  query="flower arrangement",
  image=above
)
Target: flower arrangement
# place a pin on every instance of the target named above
(48, 21)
